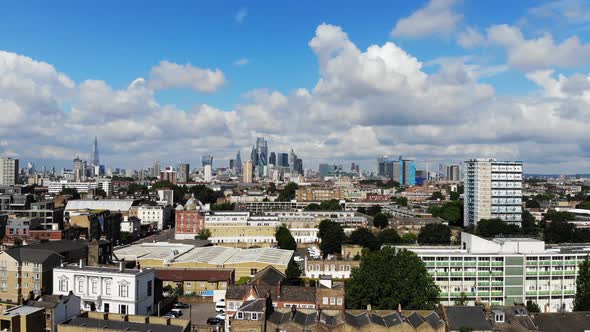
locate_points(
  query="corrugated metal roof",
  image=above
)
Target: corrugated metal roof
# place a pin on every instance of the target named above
(103, 204)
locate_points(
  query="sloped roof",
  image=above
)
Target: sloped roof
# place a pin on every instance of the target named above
(24, 254)
(268, 276)
(568, 321)
(467, 316)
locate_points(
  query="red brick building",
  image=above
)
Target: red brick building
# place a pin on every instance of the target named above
(189, 220)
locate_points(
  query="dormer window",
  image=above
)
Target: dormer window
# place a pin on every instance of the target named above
(499, 317)
(240, 315)
(254, 316)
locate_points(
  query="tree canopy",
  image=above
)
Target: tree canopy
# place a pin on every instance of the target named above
(454, 196)
(293, 272)
(133, 188)
(332, 236)
(288, 193)
(386, 279)
(435, 234)
(204, 234)
(380, 220)
(364, 237)
(223, 207)
(70, 191)
(374, 210)
(437, 195)
(403, 201)
(312, 207)
(494, 227)
(331, 205)
(582, 299)
(450, 211)
(584, 205)
(389, 236)
(284, 238)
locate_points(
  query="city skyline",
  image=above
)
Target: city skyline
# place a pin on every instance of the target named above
(431, 80)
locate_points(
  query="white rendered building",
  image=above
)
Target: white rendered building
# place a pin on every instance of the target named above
(151, 215)
(105, 289)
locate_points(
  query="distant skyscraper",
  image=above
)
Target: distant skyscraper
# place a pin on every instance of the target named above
(238, 162)
(207, 160)
(95, 161)
(283, 160)
(232, 165)
(273, 159)
(493, 189)
(8, 171)
(156, 169)
(298, 166)
(262, 153)
(292, 158)
(453, 173)
(79, 169)
(183, 173)
(327, 170)
(247, 170)
(208, 173)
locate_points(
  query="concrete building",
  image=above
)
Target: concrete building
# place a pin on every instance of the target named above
(151, 215)
(81, 187)
(247, 171)
(505, 271)
(8, 171)
(106, 289)
(23, 319)
(493, 189)
(168, 175)
(183, 173)
(318, 194)
(453, 173)
(207, 173)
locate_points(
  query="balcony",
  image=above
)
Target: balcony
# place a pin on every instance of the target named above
(483, 293)
(532, 262)
(498, 263)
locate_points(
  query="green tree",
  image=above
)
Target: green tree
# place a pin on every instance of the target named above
(288, 193)
(454, 196)
(450, 211)
(409, 238)
(284, 238)
(532, 204)
(435, 234)
(389, 236)
(529, 223)
(293, 273)
(584, 205)
(364, 237)
(374, 210)
(437, 195)
(312, 207)
(388, 278)
(582, 299)
(380, 220)
(331, 205)
(462, 299)
(332, 236)
(532, 307)
(272, 188)
(558, 231)
(553, 215)
(204, 234)
(361, 210)
(403, 201)
(495, 227)
(70, 191)
(134, 188)
(223, 207)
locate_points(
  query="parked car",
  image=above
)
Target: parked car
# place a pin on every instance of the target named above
(214, 321)
(177, 312)
(168, 315)
(220, 306)
(298, 259)
(180, 305)
(221, 316)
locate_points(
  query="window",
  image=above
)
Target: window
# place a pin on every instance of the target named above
(4, 286)
(332, 301)
(253, 271)
(26, 285)
(240, 315)
(149, 288)
(124, 290)
(339, 301)
(123, 309)
(94, 286)
(80, 285)
(107, 288)
(63, 285)
(325, 300)
(254, 316)
(107, 307)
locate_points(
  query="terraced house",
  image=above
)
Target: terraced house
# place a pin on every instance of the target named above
(505, 271)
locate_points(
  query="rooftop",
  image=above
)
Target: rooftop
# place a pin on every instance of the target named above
(98, 324)
(102, 269)
(160, 250)
(103, 204)
(20, 311)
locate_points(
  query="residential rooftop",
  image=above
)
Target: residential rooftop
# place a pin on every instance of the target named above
(99, 324)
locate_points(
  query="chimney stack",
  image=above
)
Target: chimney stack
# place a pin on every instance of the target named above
(82, 263)
(121, 266)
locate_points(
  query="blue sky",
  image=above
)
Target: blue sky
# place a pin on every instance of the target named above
(316, 107)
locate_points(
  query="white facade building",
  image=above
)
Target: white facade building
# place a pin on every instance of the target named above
(208, 173)
(81, 187)
(493, 189)
(151, 215)
(116, 290)
(8, 171)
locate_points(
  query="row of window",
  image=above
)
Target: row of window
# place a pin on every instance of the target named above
(328, 268)
(4, 285)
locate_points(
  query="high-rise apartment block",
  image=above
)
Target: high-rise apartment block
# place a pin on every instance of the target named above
(247, 170)
(401, 170)
(493, 189)
(8, 171)
(453, 173)
(183, 173)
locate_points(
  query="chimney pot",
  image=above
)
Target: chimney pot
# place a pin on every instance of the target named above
(82, 263)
